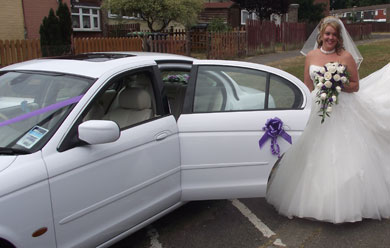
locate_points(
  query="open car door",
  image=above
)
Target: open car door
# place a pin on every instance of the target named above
(226, 106)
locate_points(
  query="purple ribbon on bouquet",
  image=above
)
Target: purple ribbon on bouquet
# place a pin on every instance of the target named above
(274, 128)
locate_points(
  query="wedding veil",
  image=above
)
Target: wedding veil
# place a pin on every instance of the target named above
(349, 45)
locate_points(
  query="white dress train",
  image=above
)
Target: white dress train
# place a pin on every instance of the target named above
(339, 171)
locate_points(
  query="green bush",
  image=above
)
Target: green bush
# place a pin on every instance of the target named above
(218, 25)
(56, 31)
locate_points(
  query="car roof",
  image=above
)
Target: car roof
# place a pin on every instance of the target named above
(94, 65)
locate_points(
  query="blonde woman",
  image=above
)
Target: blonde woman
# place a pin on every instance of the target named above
(339, 170)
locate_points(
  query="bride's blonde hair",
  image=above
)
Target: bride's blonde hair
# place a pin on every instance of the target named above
(333, 22)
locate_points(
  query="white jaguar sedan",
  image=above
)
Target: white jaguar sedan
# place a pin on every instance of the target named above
(96, 146)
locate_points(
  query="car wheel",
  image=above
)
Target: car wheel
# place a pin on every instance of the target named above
(5, 244)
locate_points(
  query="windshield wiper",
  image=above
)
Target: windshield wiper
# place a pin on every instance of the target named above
(12, 151)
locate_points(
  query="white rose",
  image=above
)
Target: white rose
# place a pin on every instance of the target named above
(341, 69)
(332, 69)
(329, 109)
(338, 88)
(336, 64)
(344, 79)
(323, 96)
(336, 77)
(328, 75)
(321, 79)
(328, 64)
(322, 70)
(328, 84)
(319, 85)
(334, 98)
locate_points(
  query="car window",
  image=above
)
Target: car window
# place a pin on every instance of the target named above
(128, 100)
(33, 105)
(223, 88)
(175, 87)
(283, 94)
(228, 88)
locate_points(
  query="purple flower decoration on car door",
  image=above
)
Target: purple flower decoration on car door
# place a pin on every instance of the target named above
(274, 128)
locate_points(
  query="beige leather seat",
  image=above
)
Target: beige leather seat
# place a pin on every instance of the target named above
(100, 106)
(135, 105)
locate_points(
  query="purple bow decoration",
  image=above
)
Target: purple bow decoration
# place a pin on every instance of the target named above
(274, 128)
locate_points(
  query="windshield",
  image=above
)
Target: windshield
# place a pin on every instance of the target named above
(33, 104)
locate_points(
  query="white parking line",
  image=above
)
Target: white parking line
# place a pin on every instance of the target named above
(263, 228)
(153, 234)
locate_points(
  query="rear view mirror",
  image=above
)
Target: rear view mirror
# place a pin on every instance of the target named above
(98, 131)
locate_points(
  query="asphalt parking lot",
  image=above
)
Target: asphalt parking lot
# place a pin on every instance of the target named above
(255, 224)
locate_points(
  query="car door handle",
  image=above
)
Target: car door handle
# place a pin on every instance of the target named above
(162, 136)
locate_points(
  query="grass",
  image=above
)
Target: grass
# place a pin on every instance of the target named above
(375, 55)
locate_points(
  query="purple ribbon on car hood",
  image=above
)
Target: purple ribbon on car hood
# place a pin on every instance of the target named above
(274, 128)
(54, 106)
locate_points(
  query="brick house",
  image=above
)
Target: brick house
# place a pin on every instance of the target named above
(228, 11)
(11, 19)
(374, 13)
(22, 19)
(87, 18)
(34, 13)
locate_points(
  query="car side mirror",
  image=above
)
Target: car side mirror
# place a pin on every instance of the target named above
(98, 131)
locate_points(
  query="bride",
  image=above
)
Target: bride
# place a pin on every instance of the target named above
(338, 171)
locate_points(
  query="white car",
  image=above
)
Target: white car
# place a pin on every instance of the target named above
(96, 146)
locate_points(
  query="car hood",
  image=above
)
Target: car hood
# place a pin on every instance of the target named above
(21, 171)
(6, 161)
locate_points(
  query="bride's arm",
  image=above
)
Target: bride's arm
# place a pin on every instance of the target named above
(354, 75)
(306, 75)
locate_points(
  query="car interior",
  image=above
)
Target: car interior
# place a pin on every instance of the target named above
(128, 101)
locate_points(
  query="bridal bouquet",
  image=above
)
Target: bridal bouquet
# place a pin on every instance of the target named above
(330, 80)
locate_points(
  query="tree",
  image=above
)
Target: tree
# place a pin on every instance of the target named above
(50, 31)
(310, 12)
(264, 8)
(218, 25)
(65, 22)
(338, 4)
(158, 14)
(56, 31)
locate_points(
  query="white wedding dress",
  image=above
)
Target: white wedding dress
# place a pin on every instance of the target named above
(339, 171)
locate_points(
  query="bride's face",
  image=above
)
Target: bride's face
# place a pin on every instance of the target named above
(329, 38)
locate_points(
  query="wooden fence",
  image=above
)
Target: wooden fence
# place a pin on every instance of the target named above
(167, 44)
(18, 50)
(380, 27)
(262, 36)
(292, 35)
(359, 31)
(226, 45)
(199, 41)
(259, 37)
(84, 45)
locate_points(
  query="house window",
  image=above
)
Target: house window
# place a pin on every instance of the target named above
(85, 18)
(245, 15)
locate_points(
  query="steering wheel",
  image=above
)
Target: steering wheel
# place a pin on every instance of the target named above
(3, 117)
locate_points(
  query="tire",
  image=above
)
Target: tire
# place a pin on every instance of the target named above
(5, 244)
